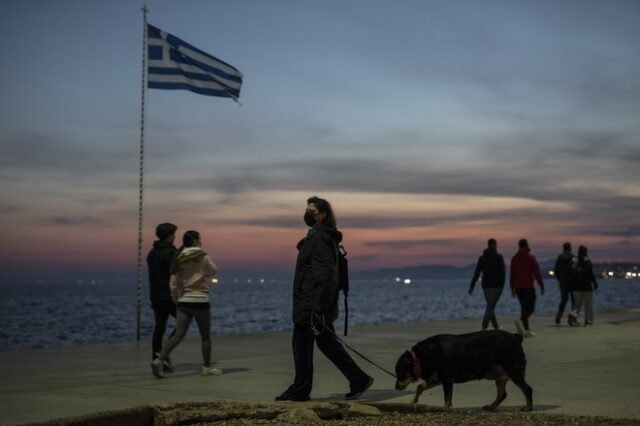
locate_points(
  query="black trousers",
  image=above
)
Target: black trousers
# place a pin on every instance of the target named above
(161, 312)
(527, 298)
(565, 294)
(302, 343)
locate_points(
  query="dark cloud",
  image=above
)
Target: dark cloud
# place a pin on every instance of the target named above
(379, 176)
(10, 208)
(44, 153)
(633, 231)
(405, 244)
(75, 221)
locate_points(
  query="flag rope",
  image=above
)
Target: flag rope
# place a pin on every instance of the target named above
(141, 186)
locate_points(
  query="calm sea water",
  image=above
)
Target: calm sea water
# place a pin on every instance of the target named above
(48, 315)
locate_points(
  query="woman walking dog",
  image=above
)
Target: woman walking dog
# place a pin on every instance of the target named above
(315, 306)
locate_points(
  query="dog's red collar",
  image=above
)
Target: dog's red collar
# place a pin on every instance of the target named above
(417, 370)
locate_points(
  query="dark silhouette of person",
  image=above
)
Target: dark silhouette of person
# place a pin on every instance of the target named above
(491, 266)
(159, 266)
(562, 273)
(524, 269)
(315, 305)
(583, 283)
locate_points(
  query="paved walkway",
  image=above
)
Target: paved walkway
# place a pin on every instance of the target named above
(580, 371)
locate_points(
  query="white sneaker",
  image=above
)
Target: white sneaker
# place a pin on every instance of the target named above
(157, 367)
(520, 327)
(167, 367)
(210, 371)
(528, 333)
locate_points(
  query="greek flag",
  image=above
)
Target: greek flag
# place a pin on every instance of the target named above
(174, 64)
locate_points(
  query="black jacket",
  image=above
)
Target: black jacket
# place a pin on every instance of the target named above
(491, 264)
(316, 279)
(159, 264)
(582, 277)
(562, 269)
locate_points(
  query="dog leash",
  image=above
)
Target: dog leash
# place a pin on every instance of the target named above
(355, 351)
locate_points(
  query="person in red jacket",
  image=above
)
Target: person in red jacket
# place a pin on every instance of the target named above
(524, 269)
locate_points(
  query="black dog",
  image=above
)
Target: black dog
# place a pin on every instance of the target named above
(446, 359)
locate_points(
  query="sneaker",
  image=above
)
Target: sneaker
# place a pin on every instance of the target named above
(558, 318)
(156, 368)
(519, 327)
(210, 371)
(588, 323)
(356, 392)
(528, 333)
(572, 320)
(167, 367)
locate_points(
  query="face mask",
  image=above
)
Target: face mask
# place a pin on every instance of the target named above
(309, 218)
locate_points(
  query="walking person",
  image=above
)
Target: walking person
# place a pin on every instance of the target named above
(191, 270)
(562, 272)
(524, 269)
(315, 305)
(583, 284)
(491, 266)
(159, 266)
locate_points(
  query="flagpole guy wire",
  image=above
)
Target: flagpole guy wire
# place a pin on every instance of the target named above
(141, 186)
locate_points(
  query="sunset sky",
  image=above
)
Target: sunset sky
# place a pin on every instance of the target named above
(431, 126)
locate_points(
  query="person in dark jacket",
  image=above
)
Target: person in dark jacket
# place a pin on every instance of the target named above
(315, 306)
(491, 265)
(524, 269)
(583, 282)
(562, 272)
(159, 264)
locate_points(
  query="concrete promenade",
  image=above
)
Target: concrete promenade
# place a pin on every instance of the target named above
(578, 371)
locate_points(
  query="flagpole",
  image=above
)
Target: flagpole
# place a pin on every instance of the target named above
(141, 186)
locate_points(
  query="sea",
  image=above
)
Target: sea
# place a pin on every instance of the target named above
(53, 315)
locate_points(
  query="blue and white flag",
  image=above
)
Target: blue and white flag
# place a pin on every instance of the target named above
(174, 64)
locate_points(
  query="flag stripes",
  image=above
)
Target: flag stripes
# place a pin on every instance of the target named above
(174, 64)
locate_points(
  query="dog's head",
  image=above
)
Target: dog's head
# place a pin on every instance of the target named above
(405, 371)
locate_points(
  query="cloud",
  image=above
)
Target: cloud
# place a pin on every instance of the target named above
(406, 244)
(75, 221)
(633, 231)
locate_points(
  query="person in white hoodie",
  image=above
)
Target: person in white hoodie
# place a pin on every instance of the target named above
(191, 270)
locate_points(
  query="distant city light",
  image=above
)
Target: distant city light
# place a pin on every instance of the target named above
(551, 273)
(398, 279)
(611, 273)
(214, 281)
(407, 281)
(261, 280)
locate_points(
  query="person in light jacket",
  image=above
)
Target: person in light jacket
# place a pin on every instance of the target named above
(191, 271)
(315, 306)
(583, 283)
